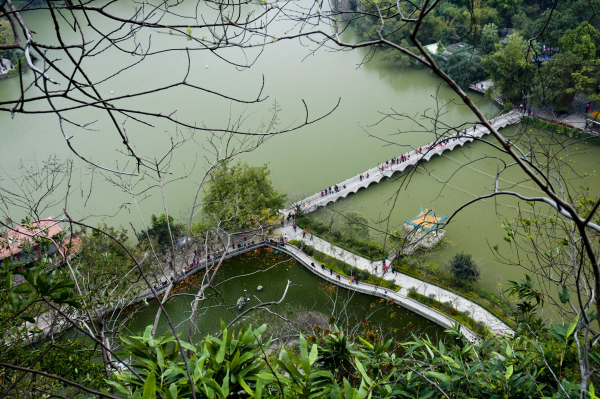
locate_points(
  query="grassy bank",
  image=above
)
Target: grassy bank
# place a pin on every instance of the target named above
(449, 310)
(368, 250)
(561, 128)
(344, 269)
(432, 274)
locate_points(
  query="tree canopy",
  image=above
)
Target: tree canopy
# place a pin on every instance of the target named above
(511, 68)
(464, 268)
(241, 196)
(161, 230)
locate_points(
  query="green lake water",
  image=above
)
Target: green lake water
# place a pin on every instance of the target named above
(302, 162)
(308, 293)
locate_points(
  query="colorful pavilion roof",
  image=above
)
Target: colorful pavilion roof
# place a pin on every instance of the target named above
(426, 220)
(594, 115)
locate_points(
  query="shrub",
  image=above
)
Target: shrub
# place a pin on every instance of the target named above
(464, 268)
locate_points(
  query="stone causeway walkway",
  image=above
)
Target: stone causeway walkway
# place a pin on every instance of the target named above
(478, 313)
(407, 160)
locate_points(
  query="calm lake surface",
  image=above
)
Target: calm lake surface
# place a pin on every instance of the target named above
(272, 269)
(355, 137)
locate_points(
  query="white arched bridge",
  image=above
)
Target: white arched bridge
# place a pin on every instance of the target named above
(407, 160)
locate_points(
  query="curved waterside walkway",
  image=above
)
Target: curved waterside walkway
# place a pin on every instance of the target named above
(406, 282)
(412, 159)
(477, 312)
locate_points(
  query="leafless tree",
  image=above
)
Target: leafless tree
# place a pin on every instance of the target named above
(538, 164)
(62, 83)
(59, 87)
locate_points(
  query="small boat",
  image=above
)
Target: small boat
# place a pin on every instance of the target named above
(243, 300)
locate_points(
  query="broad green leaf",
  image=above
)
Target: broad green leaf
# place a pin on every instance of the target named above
(313, 354)
(147, 333)
(173, 391)
(159, 358)
(508, 373)
(150, 387)
(572, 327)
(225, 386)
(592, 392)
(221, 353)
(258, 391)
(119, 387)
(245, 386)
(564, 296)
(362, 371)
(438, 376)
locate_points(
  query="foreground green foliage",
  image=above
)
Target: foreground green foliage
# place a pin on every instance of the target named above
(331, 364)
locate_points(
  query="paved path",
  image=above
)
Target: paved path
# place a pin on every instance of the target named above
(483, 86)
(477, 312)
(412, 158)
(400, 297)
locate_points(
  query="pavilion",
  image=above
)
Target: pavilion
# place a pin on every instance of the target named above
(425, 220)
(593, 121)
(424, 230)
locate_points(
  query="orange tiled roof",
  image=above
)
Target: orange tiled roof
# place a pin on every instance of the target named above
(10, 245)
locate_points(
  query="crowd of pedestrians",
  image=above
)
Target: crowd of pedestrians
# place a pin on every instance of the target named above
(399, 160)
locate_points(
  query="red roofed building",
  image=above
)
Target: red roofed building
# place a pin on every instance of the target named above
(19, 244)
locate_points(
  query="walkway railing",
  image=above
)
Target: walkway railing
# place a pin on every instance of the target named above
(330, 276)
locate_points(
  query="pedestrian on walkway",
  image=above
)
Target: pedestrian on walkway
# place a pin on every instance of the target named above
(294, 226)
(304, 233)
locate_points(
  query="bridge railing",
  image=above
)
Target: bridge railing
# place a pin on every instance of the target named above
(413, 157)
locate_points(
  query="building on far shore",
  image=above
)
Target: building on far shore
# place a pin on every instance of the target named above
(22, 249)
(5, 66)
